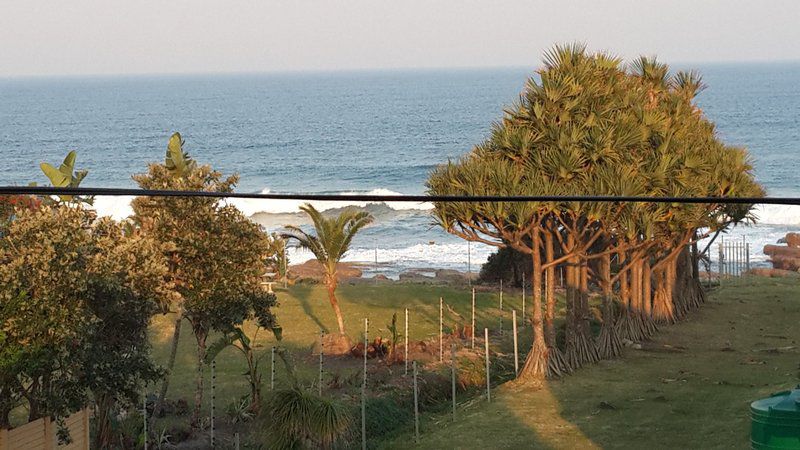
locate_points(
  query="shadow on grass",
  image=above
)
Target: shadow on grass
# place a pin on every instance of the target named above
(303, 295)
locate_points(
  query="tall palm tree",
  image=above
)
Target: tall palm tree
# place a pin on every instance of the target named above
(332, 240)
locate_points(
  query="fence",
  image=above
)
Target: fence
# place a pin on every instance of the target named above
(41, 434)
(734, 258)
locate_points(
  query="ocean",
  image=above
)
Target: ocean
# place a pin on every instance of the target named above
(377, 132)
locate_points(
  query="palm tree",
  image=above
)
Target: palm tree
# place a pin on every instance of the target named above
(332, 240)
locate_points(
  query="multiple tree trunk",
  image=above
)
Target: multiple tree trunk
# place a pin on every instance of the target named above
(624, 287)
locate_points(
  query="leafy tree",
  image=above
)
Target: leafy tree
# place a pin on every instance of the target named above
(77, 295)
(331, 242)
(590, 126)
(215, 254)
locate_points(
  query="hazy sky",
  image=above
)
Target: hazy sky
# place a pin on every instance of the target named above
(47, 37)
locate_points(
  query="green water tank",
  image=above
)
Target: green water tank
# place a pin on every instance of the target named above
(776, 421)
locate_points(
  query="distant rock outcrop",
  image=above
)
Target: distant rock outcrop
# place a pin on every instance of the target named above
(785, 259)
(313, 269)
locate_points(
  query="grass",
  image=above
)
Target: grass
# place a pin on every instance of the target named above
(688, 388)
(304, 310)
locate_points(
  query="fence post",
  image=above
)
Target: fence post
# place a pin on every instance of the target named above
(469, 263)
(441, 335)
(49, 434)
(405, 349)
(85, 418)
(486, 348)
(321, 351)
(416, 406)
(473, 319)
(236, 441)
(272, 371)
(213, 398)
(364, 389)
(501, 294)
(721, 264)
(453, 376)
(516, 348)
(747, 253)
(144, 415)
(523, 296)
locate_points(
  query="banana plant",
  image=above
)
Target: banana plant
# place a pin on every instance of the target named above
(237, 338)
(177, 161)
(66, 176)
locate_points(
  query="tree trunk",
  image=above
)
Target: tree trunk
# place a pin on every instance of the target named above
(608, 343)
(557, 365)
(200, 335)
(580, 349)
(173, 352)
(536, 363)
(330, 281)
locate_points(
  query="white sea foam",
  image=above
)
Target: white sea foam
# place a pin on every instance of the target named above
(119, 207)
(777, 214)
(391, 261)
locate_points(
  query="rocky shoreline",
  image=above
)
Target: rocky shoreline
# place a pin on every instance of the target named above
(312, 271)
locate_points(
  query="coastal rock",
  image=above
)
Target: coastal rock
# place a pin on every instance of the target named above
(313, 269)
(415, 277)
(780, 250)
(793, 240)
(785, 263)
(451, 276)
(772, 273)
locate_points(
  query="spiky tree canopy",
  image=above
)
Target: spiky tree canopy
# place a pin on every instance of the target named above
(333, 235)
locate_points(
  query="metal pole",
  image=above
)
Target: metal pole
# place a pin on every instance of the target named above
(236, 441)
(416, 406)
(321, 351)
(747, 255)
(272, 371)
(501, 294)
(364, 389)
(523, 296)
(144, 414)
(453, 376)
(405, 349)
(720, 263)
(473, 319)
(285, 270)
(213, 399)
(441, 330)
(516, 347)
(469, 263)
(486, 348)
(376, 264)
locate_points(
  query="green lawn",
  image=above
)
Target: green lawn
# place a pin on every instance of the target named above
(304, 310)
(688, 388)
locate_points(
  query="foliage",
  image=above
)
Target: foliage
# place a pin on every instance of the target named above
(77, 295)
(505, 264)
(591, 126)
(331, 242)
(66, 177)
(216, 255)
(236, 337)
(300, 419)
(396, 336)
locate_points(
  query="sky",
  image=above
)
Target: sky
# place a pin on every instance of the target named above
(85, 37)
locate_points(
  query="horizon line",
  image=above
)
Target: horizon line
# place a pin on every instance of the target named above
(354, 70)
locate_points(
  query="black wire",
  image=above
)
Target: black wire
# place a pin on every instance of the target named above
(85, 191)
